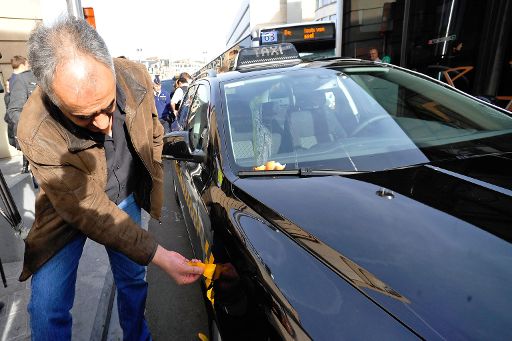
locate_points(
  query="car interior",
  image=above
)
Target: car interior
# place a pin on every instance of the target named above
(319, 119)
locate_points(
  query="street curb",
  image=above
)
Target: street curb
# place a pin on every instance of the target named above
(104, 311)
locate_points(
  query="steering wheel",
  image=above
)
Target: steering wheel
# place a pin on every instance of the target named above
(368, 122)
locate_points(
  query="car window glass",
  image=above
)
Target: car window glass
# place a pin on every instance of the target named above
(198, 118)
(185, 106)
(359, 118)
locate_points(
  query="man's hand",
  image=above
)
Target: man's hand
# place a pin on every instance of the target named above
(175, 265)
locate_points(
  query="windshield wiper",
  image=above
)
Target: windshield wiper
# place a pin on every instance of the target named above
(302, 172)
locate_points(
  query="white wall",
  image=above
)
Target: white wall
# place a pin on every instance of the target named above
(17, 20)
(268, 12)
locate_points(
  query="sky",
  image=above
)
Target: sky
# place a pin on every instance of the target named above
(172, 29)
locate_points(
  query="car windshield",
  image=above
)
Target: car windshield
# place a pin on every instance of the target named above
(360, 118)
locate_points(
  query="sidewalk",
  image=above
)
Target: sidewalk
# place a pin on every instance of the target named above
(94, 299)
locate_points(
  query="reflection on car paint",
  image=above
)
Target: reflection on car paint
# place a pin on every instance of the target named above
(287, 319)
(208, 257)
(346, 268)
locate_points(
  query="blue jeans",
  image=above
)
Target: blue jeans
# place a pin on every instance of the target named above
(53, 290)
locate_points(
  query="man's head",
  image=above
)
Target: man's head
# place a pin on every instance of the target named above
(185, 75)
(374, 54)
(457, 47)
(182, 81)
(157, 84)
(73, 67)
(19, 64)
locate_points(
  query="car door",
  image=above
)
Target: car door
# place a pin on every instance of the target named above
(193, 176)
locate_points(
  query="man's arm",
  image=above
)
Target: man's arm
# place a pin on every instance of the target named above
(175, 265)
(176, 97)
(7, 97)
(83, 204)
(18, 98)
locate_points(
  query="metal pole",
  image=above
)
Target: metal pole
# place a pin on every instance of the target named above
(2, 273)
(405, 30)
(11, 213)
(75, 8)
(339, 27)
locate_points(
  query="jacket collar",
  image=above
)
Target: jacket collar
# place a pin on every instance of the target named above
(130, 93)
(77, 138)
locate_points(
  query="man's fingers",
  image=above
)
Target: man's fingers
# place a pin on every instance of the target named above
(197, 270)
(194, 269)
(188, 279)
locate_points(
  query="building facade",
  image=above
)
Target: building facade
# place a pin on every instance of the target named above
(467, 43)
(469, 40)
(18, 19)
(253, 14)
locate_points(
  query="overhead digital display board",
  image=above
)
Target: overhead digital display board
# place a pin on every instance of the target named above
(299, 33)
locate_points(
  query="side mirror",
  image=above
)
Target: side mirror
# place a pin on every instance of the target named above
(177, 147)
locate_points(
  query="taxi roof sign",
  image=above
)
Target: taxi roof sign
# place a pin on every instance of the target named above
(268, 55)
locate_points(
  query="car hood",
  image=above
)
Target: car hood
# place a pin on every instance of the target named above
(430, 244)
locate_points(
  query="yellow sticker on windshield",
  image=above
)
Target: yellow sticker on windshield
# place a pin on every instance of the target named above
(270, 165)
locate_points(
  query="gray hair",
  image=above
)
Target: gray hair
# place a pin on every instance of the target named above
(48, 47)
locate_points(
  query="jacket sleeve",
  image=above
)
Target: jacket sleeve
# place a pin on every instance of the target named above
(81, 202)
(18, 98)
(158, 129)
(157, 193)
(7, 97)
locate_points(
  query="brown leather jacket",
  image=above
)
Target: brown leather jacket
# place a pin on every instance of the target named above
(72, 173)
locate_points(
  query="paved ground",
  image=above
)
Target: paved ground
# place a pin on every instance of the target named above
(173, 312)
(14, 317)
(92, 271)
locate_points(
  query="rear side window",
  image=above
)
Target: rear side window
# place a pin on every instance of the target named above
(198, 117)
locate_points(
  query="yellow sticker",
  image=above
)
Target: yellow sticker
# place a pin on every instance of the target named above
(209, 269)
(270, 165)
(220, 177)
(202, 337)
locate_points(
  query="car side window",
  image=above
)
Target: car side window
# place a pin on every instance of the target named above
(185, 105)
(198, 117)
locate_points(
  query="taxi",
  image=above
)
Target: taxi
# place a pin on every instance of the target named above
(345, 199)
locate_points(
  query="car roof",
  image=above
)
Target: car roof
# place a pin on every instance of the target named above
(322, 63)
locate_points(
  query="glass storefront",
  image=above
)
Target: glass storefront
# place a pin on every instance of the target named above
(466, 43)
(372, 24)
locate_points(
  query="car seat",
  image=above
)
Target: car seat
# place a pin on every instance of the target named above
(241, 126)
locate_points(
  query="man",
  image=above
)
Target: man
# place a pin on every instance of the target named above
(1, 83)
(162, 103)
(93, 139)
(20, 87)
(11, 135)
(181, 89)
(374, 55)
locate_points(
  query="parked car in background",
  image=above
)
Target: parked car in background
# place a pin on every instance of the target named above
(346, 199)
